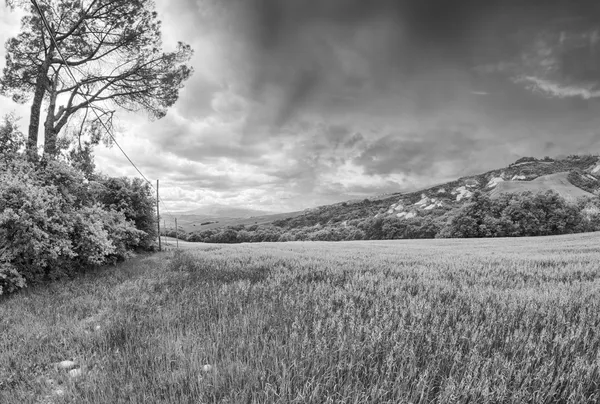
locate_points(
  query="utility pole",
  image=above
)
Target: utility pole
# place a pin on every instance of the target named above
(158, 216)
(176, 234)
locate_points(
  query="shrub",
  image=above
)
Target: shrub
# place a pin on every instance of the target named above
(35, 227)
(50, 227)
(135, 199)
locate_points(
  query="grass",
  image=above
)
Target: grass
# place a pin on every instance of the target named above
(449, 321)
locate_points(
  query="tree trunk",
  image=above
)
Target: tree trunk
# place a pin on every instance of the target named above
(50, 143)
(36, 107)
(50, 133)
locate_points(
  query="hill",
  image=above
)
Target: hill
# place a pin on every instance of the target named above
(217, 216)
(574, 176)
(418, 214)
(197, 222)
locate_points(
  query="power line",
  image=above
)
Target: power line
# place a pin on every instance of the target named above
(35, 3)
(53, 39)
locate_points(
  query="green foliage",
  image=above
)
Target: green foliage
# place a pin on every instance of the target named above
(590, 211)
(54, 222)
(580, 179)
(11, 139)
(35, 225)
(114, 45)
(524, 160)
(515, 215)
(102, 236)
(82, 159)
(135, 199)
(51, 227)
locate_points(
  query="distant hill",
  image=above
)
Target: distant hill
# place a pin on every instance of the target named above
(216, 216)
(215, 211)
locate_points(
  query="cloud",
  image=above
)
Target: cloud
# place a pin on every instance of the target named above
(553, 89)
(297, 103)
(419, 153)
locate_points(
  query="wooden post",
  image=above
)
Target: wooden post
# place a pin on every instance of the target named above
(158, 217)
(176, 234)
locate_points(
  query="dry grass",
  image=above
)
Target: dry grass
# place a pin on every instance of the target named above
(557, 182)
(449, 321)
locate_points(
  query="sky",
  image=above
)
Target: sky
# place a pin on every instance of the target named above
(300, 103)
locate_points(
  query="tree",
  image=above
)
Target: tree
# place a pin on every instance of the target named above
(114, 50)
(11, 139)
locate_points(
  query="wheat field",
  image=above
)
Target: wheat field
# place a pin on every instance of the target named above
(437, 321)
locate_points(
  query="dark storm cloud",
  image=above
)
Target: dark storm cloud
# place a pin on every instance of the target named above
(299, 45)
(418, 153)
(355, 139)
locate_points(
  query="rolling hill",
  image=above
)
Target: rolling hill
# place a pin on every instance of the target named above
(217, 216)
(189, 222)
(571, 177)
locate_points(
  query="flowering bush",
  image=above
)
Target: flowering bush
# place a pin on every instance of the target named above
(51, 225)
(35, 228)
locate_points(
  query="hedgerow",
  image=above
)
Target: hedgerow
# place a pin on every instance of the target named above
(54, 222)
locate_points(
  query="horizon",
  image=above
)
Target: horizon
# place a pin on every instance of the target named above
(295, 105)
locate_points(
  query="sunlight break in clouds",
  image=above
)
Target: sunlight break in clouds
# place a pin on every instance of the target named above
(553, 89)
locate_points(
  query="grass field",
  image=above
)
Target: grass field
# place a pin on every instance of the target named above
(448, 321)
(558, 182)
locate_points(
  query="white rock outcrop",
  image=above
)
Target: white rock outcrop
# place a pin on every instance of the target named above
(471, 183)
(462, 192)
(424, 201)
(494, 181)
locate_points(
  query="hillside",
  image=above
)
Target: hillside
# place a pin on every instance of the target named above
(418, 214)
(574, 176)
(558, 182)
